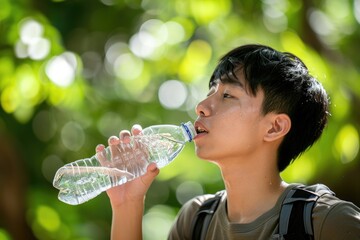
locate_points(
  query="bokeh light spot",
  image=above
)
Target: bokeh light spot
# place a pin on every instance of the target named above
(72, 136)
(28, 85)
(176, 32)
(114, 50)
(151, 36)
(10, 99)
(357, 10)
(61, 69)
(39, 49)
(128, 67)
(109, 124)
(196, 59)
(160, 216)
(320, 22)
(48, 218)
(44, 125)
(4, 235)
(301, 170)
(31, 43)
(205, 11)
(30, 31)
(347, 143)
(188, 190)
(172, 94)
(21, 49)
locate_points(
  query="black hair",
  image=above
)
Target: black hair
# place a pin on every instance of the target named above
(288, 88)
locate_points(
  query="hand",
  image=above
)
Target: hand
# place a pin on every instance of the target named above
(136, 189)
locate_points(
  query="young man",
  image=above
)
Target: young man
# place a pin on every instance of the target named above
(262, 111)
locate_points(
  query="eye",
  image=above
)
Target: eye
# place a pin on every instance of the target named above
(226, 95)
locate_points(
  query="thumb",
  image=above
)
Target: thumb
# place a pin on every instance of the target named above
(151, 172)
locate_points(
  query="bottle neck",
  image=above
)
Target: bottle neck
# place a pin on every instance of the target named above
(188, 131)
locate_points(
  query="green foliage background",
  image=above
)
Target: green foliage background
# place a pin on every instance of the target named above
(112, 58)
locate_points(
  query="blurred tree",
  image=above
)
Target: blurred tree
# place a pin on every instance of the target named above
(73, 73)
(13, 190)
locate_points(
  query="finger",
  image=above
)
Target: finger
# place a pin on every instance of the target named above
(153, 168)
(99, 148)
(101, 154)
(136, 129)
(113, 140)
(125, 136)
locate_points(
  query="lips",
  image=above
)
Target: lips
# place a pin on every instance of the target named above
(200, 128)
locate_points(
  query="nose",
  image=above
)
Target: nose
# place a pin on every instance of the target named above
(202, 109)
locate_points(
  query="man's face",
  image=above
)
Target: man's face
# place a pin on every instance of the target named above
(230, 122)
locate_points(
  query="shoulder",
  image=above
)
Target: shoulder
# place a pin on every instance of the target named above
(193, 205)
(181, 228)
(334, 218)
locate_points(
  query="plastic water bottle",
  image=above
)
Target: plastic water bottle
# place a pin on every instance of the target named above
(84, 179)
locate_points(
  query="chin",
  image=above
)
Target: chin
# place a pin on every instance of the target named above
(204, 155)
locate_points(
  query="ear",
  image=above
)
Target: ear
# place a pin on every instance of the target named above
(279, 126)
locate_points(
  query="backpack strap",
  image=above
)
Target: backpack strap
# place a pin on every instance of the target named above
(296, 212)
(295, 221)
(201, 222)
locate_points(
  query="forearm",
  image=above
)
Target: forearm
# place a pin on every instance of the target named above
(127, 221)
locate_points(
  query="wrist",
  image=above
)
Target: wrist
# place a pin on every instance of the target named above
(127, 220)
(127, 204)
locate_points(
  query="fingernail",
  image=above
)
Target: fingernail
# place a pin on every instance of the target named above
(99, 147)
(153, 168)
(137, 126)
(113, 139)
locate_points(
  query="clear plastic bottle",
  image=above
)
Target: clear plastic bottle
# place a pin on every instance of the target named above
(84, 179)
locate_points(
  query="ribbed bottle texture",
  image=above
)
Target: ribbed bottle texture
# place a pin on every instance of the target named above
(84, 179)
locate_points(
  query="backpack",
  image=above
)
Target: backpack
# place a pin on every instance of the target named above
(295, 221)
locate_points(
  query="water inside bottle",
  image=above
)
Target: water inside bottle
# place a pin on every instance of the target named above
(79, 184)
(81, 181)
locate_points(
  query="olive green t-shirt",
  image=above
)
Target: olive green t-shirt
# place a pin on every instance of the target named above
(332, 219)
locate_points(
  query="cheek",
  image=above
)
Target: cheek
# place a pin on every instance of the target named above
(241, 130)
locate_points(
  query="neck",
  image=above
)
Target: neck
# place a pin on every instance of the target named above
(251, 191)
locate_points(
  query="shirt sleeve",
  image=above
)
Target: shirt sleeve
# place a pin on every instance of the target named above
(181, 229)
(341, 221)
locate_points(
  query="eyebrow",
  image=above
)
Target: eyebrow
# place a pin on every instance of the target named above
(228, 78)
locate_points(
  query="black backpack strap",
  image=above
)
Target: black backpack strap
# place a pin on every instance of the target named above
(296, 212)
(201, 222)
